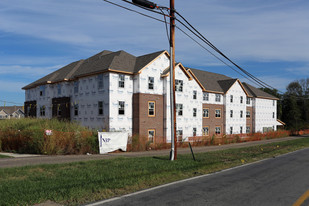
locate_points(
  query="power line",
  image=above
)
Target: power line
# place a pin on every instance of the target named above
(133, 11)
(217, 50)
(11, 102)
(201, 37)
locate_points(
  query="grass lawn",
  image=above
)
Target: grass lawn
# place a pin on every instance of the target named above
(4, 156)
(77, 183)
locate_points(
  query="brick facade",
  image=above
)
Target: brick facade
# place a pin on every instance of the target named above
(142, 121)
(212, 122)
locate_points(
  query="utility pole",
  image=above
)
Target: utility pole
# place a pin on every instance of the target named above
(151, 5)
(173, 155)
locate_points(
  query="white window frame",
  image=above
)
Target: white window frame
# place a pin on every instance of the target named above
(121, 107)
(194, 112)
(206, 131)
(231, 98)
(205, 96)
(218, 98)
(178, 85)
(121, 81)
(100, 82)
(194, 94)
(151, 110)
(151, 83)
(179, 109)
(205, 112)
(217, 113)
(218, 130)
(151, 135)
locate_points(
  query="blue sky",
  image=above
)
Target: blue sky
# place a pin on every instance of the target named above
(267, 38)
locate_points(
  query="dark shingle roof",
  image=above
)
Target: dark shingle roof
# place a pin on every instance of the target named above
(226, 84)
(255, 92)
(212, 81)
(106, 60)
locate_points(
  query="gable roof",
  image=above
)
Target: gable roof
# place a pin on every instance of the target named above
(255, 92)
(213, 82)
(11, 109)
(104, 61)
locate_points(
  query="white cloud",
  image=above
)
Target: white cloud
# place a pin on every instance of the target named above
(10, 86)
(27, 70)
(301, 71)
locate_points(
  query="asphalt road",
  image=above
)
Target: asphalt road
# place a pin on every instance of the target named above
(276, 181)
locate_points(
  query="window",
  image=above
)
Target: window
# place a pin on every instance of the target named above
(150, 82)
(100, 82)
(241, 114)
(59, 89)
(194, 112)
(205, 131)
(231, 98)
(75, 109)
(248, 129)
(273, 115)
(194, 94)
(100, 108)
(248, 100)
(121, 107)
(248, 114)
(240, 129)
(218, 113)
(178, 85)
(205, 112)
(231, 113)
(218, 130)
(151, 135)
(194, 131)
(75, 87)
(241, 99)
(121, 81)
(205, 96)
(179, 135)
(151, 108)
(42, 111)
(179, 109)
(58, 110)
(218, 98)
(42, 90)
(231, 130)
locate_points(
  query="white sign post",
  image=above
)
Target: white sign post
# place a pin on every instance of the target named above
(112, 141)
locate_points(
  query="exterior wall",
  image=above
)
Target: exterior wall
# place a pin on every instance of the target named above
(87, 99)
(212, 122)
(212, 99)
(154, 69)
(264, 109)
(236, 121)
(187, 122)
(119, 122)
(142, 122)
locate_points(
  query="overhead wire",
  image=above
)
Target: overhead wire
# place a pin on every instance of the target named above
(262, 83)
(254, 80)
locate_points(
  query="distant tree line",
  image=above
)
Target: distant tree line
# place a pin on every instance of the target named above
(293, 105)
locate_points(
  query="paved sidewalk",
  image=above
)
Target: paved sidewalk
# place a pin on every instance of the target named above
(25, 160)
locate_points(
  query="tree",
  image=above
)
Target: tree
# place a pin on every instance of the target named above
(291, 113)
